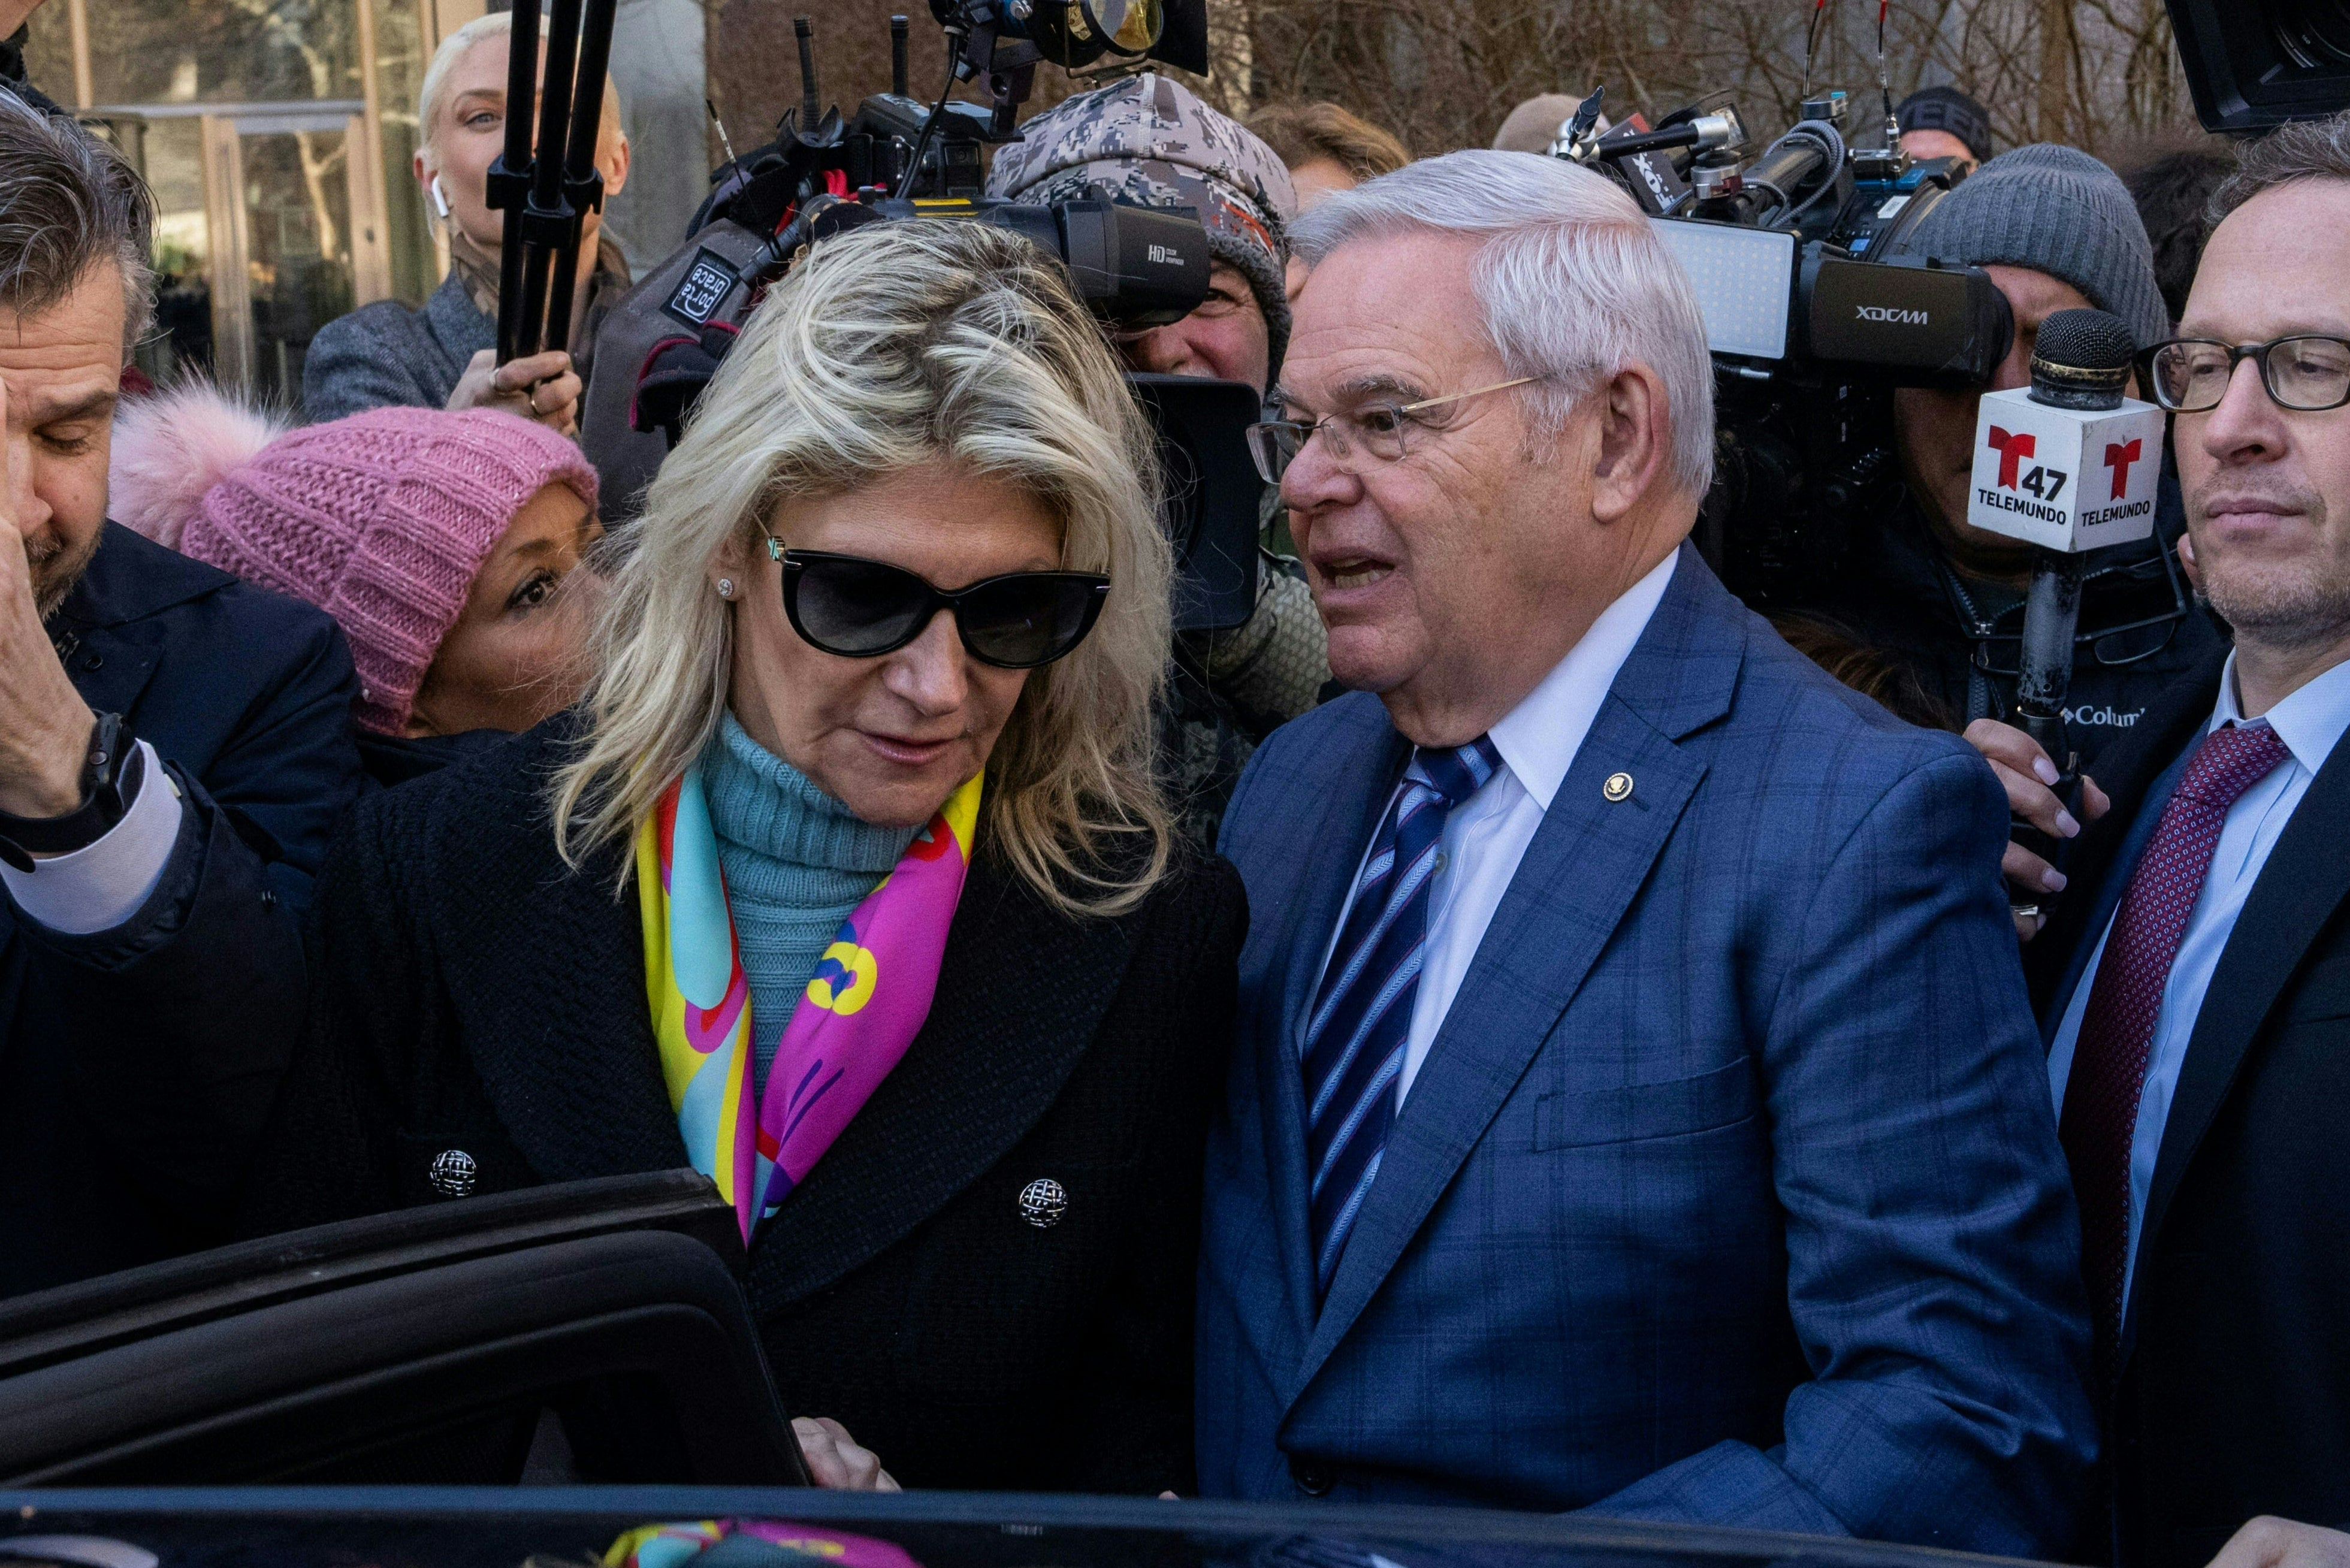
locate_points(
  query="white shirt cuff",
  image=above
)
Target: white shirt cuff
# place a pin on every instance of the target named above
(101, 884)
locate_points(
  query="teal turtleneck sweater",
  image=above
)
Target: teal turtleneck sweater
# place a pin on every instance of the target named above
(798, 864)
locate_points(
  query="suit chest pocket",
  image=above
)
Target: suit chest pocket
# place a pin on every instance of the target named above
(1676, 1108)
(2322, 991)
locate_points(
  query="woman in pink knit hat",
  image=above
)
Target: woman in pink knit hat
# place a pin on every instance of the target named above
(444, 543)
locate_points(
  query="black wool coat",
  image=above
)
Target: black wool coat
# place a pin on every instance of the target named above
(472, 992)
(2234, 1392)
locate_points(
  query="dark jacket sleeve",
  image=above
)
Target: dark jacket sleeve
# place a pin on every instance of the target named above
(186, 1014)
(292, 769)
(1932, 1243)
(360, 361)
(1132, 1429)
(328, 1148)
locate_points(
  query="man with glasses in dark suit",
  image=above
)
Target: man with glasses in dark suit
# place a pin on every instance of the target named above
(2194, 982)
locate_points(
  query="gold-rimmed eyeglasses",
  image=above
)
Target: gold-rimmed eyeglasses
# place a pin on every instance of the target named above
(1382, 430)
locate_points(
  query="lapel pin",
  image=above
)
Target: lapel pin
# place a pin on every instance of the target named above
(453, 1173)
(1043, 1202)
(1619, 787)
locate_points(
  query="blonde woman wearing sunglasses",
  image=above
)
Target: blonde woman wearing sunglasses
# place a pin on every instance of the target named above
(846, 884)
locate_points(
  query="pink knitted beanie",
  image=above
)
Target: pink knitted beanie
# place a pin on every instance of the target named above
(382, 519)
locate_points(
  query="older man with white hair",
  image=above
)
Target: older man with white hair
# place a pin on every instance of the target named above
(1638, 1109)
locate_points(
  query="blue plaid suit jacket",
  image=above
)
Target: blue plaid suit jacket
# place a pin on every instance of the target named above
(1730, 1191)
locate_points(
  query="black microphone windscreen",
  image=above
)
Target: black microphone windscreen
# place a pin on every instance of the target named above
(2085, 340)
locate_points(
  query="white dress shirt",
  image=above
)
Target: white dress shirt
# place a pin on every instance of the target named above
(1486, 835)
(103, 883)
(2309, 721)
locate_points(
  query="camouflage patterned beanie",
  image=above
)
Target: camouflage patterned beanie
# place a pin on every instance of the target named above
(1149, 140)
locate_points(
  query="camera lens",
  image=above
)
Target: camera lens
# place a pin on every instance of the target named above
(1130, 26)
(2316, 34)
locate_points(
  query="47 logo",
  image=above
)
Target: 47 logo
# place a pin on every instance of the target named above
(2046, 483)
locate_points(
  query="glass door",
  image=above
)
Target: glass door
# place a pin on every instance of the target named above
(279, 201)
(277, 135)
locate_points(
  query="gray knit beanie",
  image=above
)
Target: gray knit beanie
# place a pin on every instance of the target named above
(2054, 210)
(1149, 140)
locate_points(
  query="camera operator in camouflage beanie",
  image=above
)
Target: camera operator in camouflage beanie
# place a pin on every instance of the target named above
(1149, 141)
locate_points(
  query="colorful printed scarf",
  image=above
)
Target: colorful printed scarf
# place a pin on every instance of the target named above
(871, 991)
(677, 1545)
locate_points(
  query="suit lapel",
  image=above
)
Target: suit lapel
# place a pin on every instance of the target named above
(1007, 1029)
(1358, 782)
(1581, 872)
(108, 669)
(103, 632)
(1361, 779)
(2301, 887)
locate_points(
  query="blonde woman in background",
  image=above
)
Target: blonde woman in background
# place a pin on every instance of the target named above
(444, 356)
(855, 830)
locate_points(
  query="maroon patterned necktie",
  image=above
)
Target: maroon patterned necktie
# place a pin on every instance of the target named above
(2126, 998)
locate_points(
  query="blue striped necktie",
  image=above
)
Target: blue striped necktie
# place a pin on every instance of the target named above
(1354, 1039)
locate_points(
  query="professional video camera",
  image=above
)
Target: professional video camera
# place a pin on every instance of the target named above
(1810, 325)
(897, 159)
(2251, 66)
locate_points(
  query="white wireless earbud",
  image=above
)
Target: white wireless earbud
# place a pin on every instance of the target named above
(439, 198)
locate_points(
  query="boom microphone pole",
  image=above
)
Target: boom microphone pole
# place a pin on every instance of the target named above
(583, 183)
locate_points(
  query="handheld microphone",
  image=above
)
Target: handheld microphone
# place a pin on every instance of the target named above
(2069, 464)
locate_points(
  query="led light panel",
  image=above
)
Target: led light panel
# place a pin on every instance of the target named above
(1745, 281)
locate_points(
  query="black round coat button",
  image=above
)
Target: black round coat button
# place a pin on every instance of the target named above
(1311, 1479)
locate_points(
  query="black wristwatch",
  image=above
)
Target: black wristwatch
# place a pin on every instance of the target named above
(110, 782)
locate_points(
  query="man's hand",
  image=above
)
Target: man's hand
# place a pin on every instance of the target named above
(2025, 771)
(2271, 1543)
(538, 387)
(835, 1459)
(43, 723)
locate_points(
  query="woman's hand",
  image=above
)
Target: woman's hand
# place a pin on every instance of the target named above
(537, 386)
(835, 1459)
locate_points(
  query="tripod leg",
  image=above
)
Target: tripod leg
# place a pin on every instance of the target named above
(510, 178)
(583, 185)
(543, 231)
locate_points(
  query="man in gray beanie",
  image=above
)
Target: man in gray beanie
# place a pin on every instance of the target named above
(2055, 229)
(1149, 140)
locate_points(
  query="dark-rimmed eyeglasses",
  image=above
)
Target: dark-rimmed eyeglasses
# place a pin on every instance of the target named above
(2307, 373)
(857, 608)
(1380, 430)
